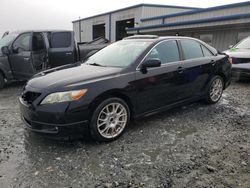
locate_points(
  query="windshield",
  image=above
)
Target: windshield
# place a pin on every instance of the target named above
(5, 41)
(244, 44)
(119, 54)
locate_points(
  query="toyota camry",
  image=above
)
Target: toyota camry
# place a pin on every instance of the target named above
(132, 78)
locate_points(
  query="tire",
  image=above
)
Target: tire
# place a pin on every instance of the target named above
(109, 120)
(215, 90)
(2, 83)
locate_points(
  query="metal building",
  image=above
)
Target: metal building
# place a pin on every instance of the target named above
(113, 25)
(219, 26)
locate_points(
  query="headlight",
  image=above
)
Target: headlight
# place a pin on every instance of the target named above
(64, 96)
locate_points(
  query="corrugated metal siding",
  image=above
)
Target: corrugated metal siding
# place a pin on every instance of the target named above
(76, 30)
(87, 27)
(195, 26)
(158, 11)
(210, 14)
(136, 13)
(222, 37)
(123, 15)
(151, 22)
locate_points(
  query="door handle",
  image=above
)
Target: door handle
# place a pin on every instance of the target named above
(180, 70)
(69, 53)
(213, 62)
(26, 58)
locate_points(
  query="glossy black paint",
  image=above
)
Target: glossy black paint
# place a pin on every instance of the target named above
(159, 89)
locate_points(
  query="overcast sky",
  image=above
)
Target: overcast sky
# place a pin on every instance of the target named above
(58, 14)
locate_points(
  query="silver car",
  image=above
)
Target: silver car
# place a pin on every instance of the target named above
(240, 55)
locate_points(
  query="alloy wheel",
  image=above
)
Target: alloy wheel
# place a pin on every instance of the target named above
(216, 90)
(112, 120)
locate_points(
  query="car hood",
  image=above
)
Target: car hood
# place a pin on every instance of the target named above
(68, 75)
(238, 53)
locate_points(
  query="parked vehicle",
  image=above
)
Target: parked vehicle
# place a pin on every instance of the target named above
(24, 54)
(240, 54)
(132, 78)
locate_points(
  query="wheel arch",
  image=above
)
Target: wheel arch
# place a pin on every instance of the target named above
(223, 76)
(112, 93)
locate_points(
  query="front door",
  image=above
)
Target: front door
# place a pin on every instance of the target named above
(21, 57)
(160, 86)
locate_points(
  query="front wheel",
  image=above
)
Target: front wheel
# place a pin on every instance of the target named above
(215, 90)
(109, 119)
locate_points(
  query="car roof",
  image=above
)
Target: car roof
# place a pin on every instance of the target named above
(156, 37)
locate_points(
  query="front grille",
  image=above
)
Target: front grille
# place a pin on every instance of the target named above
(240, 60)
(29, 97)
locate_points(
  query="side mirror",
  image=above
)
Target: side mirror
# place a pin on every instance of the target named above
(231, 46)
(150, 63)
(5, 50)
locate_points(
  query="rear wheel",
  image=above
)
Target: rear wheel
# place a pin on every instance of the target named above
(215, 90)
(109, 119)
(2, 83)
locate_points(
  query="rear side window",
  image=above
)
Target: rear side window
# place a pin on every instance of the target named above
(191, 49)
(60, 40)
(38, 42)
(206, 52)
(166, 51)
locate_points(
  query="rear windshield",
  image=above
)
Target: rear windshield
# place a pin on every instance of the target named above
(119, 54)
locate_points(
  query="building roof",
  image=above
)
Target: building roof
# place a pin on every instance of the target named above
(136, 6)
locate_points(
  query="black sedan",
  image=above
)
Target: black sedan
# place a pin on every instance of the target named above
(132, 78)
(240, 54)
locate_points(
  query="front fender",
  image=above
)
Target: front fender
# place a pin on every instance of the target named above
(5, 68)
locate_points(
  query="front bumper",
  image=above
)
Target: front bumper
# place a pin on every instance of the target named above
(241, 70)
(57, 120)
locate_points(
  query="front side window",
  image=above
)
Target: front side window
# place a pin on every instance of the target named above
(191, 49)
(60, 40)
(119, 54)
(166, 51)
(22, 43)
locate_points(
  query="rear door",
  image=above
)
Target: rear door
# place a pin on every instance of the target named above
(197, 67)
(62, 48)
(21, 57)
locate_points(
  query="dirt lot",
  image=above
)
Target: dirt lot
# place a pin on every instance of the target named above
(192, 146)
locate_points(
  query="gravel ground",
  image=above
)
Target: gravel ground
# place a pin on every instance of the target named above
(191, 146)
